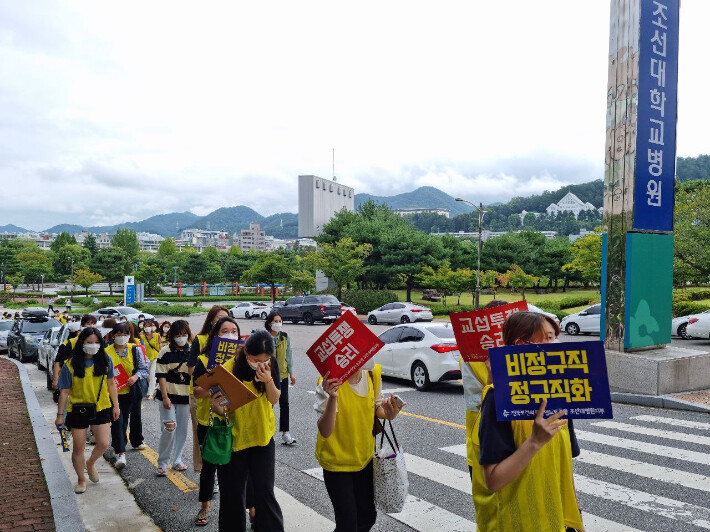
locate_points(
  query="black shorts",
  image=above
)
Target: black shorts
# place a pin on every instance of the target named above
(102, 418)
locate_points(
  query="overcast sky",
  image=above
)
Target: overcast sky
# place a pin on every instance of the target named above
(113, 112)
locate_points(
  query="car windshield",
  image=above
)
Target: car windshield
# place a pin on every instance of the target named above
(5, 325)
(126, 310)
(329, 300)
(39, 326)
(441, 332)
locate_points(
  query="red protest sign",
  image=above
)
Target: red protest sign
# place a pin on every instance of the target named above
(120, 377)
(344, 348)
(479, 330)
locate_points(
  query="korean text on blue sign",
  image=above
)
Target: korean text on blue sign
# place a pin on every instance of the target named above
(222, 350)
(569, 375)
(657, 106)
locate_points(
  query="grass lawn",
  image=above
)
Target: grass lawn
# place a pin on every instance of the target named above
(532, 297)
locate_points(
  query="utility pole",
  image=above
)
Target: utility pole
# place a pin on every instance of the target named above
(42, 289)
(481, 213)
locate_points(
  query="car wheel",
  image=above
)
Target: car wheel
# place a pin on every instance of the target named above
(49, 381)
(295, 321)
(231, 314)
(404, 319)
(420, 376)
(307, 318)
(21, 357)
(372, 320)
(263, 315)
(572, 328)
(683, 331)
(246, 315)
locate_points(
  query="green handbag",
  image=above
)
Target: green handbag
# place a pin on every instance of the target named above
(216, 448)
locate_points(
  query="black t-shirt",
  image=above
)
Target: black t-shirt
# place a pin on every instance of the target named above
(63, 354)
(496, 437)
(194, 353)
(247, 374)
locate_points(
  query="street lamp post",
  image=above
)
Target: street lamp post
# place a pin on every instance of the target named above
(175, 270)
(72, 278)
(42, 288)
(481, 213)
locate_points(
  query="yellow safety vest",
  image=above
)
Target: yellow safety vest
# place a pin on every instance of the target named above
(481, 372)
(351, 445)
(201, 340)
(280, 354)
(203, 403)
(127, 362)
(254, 424)
(85, 390)
(152, 346)
(540, 499)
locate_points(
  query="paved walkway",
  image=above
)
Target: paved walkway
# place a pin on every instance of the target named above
(25, 503)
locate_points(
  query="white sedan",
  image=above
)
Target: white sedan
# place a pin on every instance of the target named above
(399, 313)
(421, 352)
(587, 321)
(679, 325)
(250, 309)
(347, 308)
(699, 326)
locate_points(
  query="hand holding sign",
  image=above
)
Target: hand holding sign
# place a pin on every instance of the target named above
(544, 429)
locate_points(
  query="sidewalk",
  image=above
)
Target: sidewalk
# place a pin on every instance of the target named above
(25, 503)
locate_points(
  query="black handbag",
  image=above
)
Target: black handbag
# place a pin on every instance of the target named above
(86, 412)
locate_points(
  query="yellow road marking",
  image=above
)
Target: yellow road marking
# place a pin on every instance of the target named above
(434, 420)
(182, 483)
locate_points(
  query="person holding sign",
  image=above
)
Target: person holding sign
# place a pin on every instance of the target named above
(87, 390)
(284, 356)
(129, 366)
(224, 328)
(525, 471)
(253, 449)
(174, 392)
(345, 443)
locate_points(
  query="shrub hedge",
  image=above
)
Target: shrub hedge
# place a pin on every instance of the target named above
(172, 310)
(683, 308)
(366, 300)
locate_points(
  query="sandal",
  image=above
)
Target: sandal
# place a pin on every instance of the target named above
(180, 467)
(161, 473)
(201, 519)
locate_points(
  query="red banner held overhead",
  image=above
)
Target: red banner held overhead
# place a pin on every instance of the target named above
(479, 330)
(344, 348)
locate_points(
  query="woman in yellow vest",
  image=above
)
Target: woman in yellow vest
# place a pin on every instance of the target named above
(253, 449)
(87, 377)
(216, 313)
(524, 481)
(224, 328)
(133, 365)
(152, 344)
(284, 356)
(345, 444)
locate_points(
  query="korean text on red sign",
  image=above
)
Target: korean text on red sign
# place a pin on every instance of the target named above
(344, 348)
(478, 331)
(569, 375)
(222, 350)
(120, 377)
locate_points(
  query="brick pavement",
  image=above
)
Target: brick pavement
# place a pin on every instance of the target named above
(24, 498)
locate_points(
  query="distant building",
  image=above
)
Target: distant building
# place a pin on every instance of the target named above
(487, 235)
(318, 201)
(203, 238)
(422, 210)
(253, 238)
(149, 241)
(571, 203)
(582, 232)
(525, 213)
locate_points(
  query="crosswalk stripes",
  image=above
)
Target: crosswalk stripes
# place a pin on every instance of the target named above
(673, 421)
(646, 431)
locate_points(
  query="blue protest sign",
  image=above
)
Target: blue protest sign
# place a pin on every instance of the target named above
(570, 375)
(222, 350)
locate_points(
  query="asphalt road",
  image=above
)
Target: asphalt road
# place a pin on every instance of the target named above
(647, 473)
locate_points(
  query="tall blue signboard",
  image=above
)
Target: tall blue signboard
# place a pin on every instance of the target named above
(129, 290)
(656, 124)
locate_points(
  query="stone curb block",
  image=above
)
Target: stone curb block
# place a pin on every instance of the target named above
(61, 492)
(658, 401)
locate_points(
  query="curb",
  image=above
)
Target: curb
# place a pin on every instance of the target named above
(658, 401)
(67, 517)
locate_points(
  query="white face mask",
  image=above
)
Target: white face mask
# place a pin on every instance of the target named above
(91, 349)
(149, 329)
(165, 330)
(120, 339)
(277, 326)
(180, 340)
(253, 365)
(230, 336)
(369, 365)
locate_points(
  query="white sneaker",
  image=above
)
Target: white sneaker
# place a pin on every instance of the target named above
(215, 488)
(120, 462)
(287, 439)
(140, 447)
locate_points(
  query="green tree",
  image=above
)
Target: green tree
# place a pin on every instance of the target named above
(302, 281)
(213, 256)
(167, 249)
(34, 266)
(126, 240)
(586, 260)
(443, 279)
(489, 279)
(269, 268)
(64, 257)
(90, 244)
(85, 278)
(150, 275)
(63, 239)
(112, 264)
(214, 273)
(692, 230)
(194, 268)
(520, 280)
(237, 263)
(15, 280)
(342, 262)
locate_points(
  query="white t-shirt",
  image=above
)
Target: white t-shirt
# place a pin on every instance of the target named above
(361, 389)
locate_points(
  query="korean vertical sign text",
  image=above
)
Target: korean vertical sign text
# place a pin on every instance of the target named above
(570, 375)
(344, 348)
(657, 106)
(477, 331)
(222, 350)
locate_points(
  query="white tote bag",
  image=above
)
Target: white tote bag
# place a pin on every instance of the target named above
(390, 474)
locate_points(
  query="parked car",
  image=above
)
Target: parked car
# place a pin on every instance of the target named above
(34, 312)
(250, 309)
(679, 325)
(533, 308)
(587, 321)
(310, 309)
(5, 326)
(347, 308)
(421, 352)
(153, 301)
(699, 326)
(48, 348)
(26, 334)
(399, 313)
(118, 312)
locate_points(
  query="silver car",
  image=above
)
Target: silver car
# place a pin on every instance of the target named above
(5, 326)
(399, 313)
